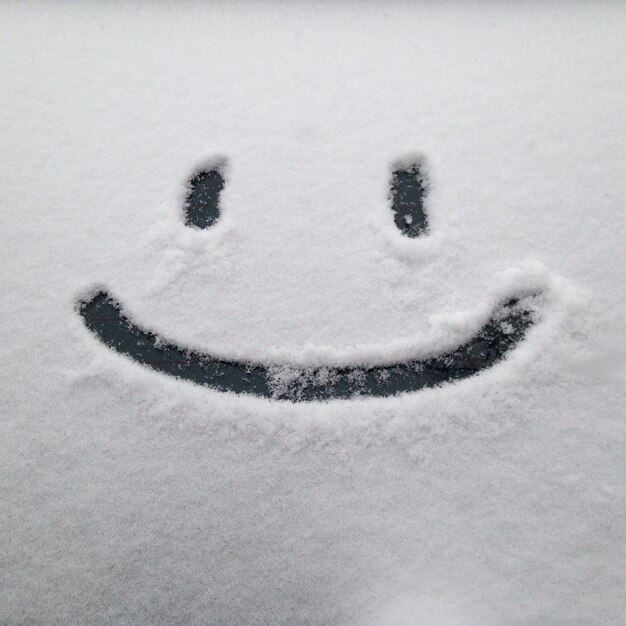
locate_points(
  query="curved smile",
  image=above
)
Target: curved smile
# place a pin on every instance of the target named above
(104, 316)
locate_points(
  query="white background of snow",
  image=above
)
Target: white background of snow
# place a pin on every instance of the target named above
(128, 497)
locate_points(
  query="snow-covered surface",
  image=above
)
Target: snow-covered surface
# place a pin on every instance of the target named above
(131, 497)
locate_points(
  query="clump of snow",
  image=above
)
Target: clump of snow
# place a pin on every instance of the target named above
(132, 497)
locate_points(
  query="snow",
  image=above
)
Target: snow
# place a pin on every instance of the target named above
(131, 497)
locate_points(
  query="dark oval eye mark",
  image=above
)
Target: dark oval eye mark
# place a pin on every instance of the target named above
(408, 190)
(202, 205)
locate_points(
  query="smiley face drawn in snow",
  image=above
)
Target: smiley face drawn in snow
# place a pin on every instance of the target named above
(103, 315)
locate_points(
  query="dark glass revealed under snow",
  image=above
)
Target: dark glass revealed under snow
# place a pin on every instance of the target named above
(202, 204)
(408, 191)
(104, 317)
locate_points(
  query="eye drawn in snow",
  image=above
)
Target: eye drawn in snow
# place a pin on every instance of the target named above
(202, 204)
(408, 189)
(104, 316)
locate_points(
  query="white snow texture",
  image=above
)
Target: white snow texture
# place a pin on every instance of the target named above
(132, 497)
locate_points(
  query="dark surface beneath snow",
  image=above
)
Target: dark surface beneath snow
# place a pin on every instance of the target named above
(104, 317)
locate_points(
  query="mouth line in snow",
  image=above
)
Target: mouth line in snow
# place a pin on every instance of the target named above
(509, 322)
